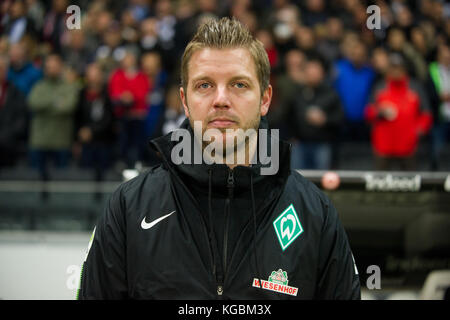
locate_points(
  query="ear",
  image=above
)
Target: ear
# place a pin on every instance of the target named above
(184, 102)
(266, 100)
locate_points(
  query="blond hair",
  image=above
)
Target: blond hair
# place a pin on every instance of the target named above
(227, 33)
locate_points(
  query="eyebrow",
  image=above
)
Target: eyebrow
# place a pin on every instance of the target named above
(234, 78)
(242, 77)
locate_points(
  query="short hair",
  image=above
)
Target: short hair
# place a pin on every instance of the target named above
(227, 33)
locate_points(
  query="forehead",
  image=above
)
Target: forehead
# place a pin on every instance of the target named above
(221, 63)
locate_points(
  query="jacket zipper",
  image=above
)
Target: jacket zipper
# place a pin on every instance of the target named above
(230, 186)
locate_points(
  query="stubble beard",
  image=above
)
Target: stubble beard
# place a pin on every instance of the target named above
(230, 145)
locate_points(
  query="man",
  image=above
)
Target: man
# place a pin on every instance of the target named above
(22, 72)
(157, 78)
(315, 116)
(353, 82)
(439, 91)
(52, 102)
(286, 85)
(128, 88)
(94, 122)
(13, 114)
(220, 231)
(400, 115)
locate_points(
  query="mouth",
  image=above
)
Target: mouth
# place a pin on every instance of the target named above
(221, 123)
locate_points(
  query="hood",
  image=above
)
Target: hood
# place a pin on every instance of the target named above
(220, 172)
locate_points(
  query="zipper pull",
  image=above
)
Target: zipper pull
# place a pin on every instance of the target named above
(219, 290)
(230, 183)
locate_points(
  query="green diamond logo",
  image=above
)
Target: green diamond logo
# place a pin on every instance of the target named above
(287, 227)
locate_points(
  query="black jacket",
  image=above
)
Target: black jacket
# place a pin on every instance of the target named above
(326, 99)
(13, 113)
(97, 114)
(181, 257)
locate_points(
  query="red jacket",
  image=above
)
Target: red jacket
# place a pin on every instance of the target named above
(139, 86)
(398, 137)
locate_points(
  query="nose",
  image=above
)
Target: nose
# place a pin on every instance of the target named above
(221, 99)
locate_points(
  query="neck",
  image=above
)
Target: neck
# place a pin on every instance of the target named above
(130, 71)
(242, 152)
(94, 87)
(247, 153)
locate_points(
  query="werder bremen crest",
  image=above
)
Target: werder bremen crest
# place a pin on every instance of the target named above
(287, 227)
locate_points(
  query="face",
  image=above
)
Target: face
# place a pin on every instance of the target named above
(396, 72)
(53, 67)
(295, 59)
(357, 54)
(223, 91)
(94, 75)
(151, 64)
(314, 73)
(129, 61)
(396, 39)
(17, 54)
(380, 60)
(17, 9)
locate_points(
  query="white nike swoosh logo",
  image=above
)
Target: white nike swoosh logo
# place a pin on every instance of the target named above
(146, 225)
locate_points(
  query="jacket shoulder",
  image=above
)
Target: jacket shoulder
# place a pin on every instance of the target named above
(150, 179)
(308, 192)
(138, 193)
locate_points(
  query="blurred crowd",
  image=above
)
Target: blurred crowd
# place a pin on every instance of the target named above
(96, 95)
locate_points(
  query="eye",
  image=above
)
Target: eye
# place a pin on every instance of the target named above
(203, 85)
(240, 85)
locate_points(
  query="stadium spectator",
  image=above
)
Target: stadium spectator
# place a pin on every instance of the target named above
(36, 14)
(111, 49)
(267, 40)
(166, 26)
(75, 52)
(380, 63)
(328, 44)
(55, 25)
(420, 43)
(22, 72)
(157, 78)
(286, 85)
(52, 102)
(440, 90)
(284, 20)
(139, 9)
(353, 81)
(400, 115)
(129, 26)
(415, 63)
(128, 88)
(314, 13)
(17, 25)
(305, 40)
(96, 22)
(186, 16)
(149, 35)
(174, 112)
(315, 116)
(12, 117)
(94, 123)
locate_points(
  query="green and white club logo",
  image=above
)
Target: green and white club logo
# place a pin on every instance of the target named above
(287, 227)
